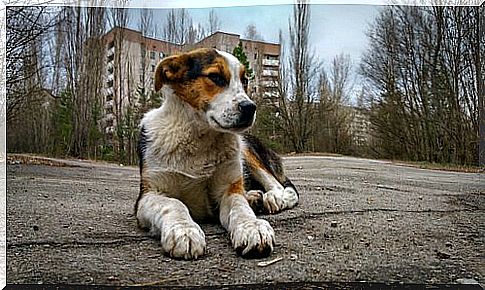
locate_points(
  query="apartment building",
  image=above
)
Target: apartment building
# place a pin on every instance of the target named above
(360, 126)
(131, 59)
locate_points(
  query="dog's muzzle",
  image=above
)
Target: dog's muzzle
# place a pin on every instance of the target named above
(246, 117)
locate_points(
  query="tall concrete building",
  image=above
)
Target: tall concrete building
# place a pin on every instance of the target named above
(359, 126)
(131, 59)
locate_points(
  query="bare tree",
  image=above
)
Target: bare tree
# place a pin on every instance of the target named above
(481, 87)
(252, 33)
(84, 65)
(25, 26)
(178, 26)
(122, 82)
(214, 22)
(422, 67)
(145, 26)
(297, 82)
(332, 127)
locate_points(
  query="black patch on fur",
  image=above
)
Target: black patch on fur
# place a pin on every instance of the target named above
(197, 63)
(142, 146)
(250, 183)
(271, 161)
(141, 150)
(268, 157)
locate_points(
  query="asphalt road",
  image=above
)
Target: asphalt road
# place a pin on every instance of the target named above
(358, 220)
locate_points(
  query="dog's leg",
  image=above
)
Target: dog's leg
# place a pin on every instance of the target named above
(180, 236)
(277, 197)
(250, 236)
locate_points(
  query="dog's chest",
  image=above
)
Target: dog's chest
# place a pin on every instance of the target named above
(191, 172)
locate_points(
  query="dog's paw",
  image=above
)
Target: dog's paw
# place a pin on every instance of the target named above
(277, 200)
(255, 200)
(183, 240)
(253, 238)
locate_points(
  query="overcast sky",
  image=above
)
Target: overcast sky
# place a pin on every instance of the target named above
(334, 29)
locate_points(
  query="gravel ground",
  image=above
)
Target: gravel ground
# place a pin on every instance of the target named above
(358, 220)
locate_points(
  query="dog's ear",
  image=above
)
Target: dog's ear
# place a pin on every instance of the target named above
(170, 69)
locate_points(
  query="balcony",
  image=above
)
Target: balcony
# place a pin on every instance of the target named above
(110, 51)
(271, 62)
(270, 94)
(109, 117)
(269, 84)
(110, 130)
(109, 104)
(108, 91)
(269, 73)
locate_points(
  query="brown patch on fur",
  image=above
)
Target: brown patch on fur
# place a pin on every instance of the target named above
(187, 75)
(253, 161)
(237, 187)
(197, 93)
(242, 72)
(243, 78)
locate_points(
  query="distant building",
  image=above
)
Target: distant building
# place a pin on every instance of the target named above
(139, 56)
(360, 126)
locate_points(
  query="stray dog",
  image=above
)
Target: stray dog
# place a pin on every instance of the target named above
(196, 162)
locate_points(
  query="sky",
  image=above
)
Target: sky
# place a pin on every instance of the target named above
(334, 29)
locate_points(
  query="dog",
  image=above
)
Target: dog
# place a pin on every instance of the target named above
(198, 163)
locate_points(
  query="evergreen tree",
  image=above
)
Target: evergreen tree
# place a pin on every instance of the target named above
(239, 53)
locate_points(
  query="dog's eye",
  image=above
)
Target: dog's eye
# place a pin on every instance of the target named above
(217, 79)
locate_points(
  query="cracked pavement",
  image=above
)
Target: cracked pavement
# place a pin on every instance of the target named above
(358, 220)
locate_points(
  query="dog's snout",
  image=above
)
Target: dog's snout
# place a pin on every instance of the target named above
(247, 108)
(246, 117)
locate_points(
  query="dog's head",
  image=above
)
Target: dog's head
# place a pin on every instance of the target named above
(213, 83)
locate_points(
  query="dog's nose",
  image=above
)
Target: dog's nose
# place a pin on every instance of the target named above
(247, 108)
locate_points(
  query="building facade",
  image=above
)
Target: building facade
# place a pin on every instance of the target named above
(131, 59)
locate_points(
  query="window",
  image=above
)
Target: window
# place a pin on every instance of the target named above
(161, 54)
(110, 84)
(153, 68)
(110, 70)
(109, 97)
(256, 55)
(111, 57)
(111, 44)
(152, 55)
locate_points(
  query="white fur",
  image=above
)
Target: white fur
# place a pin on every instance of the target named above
(224, 108)
(276, 198)
(190, 163)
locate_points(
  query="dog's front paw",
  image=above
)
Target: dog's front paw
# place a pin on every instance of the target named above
(277, 200)
(183, 240)
(253, 238)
